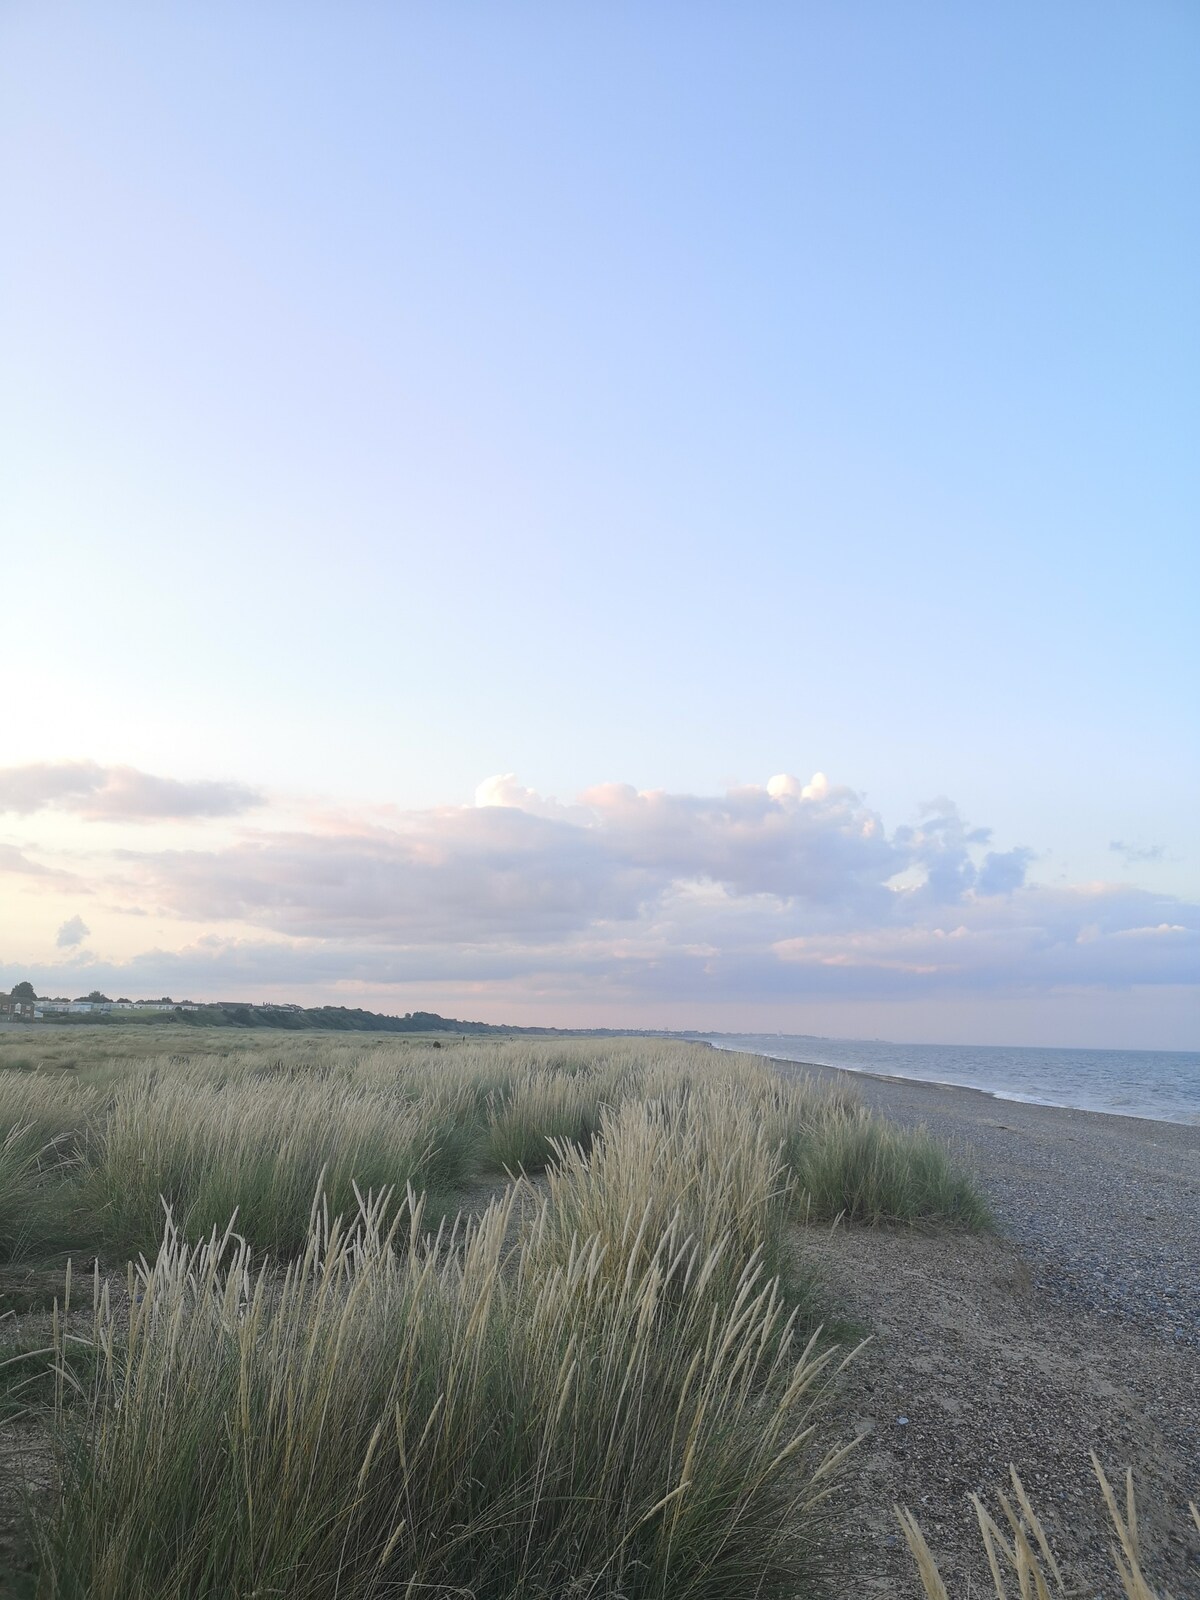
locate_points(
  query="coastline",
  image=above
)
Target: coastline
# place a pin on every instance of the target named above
(1075, 1326)
(994, 1097)
(1107, 1206)
(1188, 1115)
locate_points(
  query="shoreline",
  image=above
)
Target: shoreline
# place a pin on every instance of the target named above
(1074, 1326)
(1187, 1133)
(1106, 1207)
(1003, 1097)
(1008, 1097)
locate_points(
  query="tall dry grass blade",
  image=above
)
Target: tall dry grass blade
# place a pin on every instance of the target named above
(1019, 1558)
(1127, 1560)
(931, 1578)
(1034, 1523)
(1030, 1578)
(992, 1537)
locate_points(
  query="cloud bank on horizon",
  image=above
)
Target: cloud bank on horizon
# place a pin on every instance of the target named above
(623, 906)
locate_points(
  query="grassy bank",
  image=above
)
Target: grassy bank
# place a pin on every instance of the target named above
(92, 1148)
(602, 1383)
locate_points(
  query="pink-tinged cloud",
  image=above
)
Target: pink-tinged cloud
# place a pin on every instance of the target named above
(508, 871)
(118, 794)
(444, 876)
(783, 892)
(783, 889)
(16, 862)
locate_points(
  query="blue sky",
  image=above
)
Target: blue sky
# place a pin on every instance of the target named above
(667, 397)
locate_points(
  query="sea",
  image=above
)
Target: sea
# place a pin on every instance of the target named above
(1161, 1084)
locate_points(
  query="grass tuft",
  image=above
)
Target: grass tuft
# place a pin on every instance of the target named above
(865, 1169)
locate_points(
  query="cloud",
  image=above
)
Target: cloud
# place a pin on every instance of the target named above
(1003, 871)
(782, 890)
(504, 790)
(694, 950)
(1038, 940)
(73, 932)
(118, 794)
(470, 875)
(17, 862)
(814, 842)
(1132, 853)
(14, 860)
(529, 872)
(789, 890)
(942, 844)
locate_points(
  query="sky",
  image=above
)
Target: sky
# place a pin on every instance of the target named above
(679, 515)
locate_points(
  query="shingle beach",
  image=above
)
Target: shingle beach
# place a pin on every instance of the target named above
(1075, 1327)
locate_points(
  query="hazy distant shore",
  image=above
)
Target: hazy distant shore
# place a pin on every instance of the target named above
(1108, 1206)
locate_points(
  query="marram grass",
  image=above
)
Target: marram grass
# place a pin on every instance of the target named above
(260, 1149)
(256, 1130)
(699, 1169)
(43, 1126)
(538, 1107)
(457, 1417)
(604, 1386)
(869, 1170)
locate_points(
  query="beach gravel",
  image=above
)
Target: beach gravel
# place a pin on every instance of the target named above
(1074, 1327)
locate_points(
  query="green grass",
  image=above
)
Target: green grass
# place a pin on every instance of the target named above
(439, 1420)
(604, 1387)
(90, 1156)
(37, 1172)
(19, 1151)
(867, 1170)
(26, 1375)
(527, 1116)
(260, 1151)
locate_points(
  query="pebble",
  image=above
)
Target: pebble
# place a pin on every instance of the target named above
(1069, 1186)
